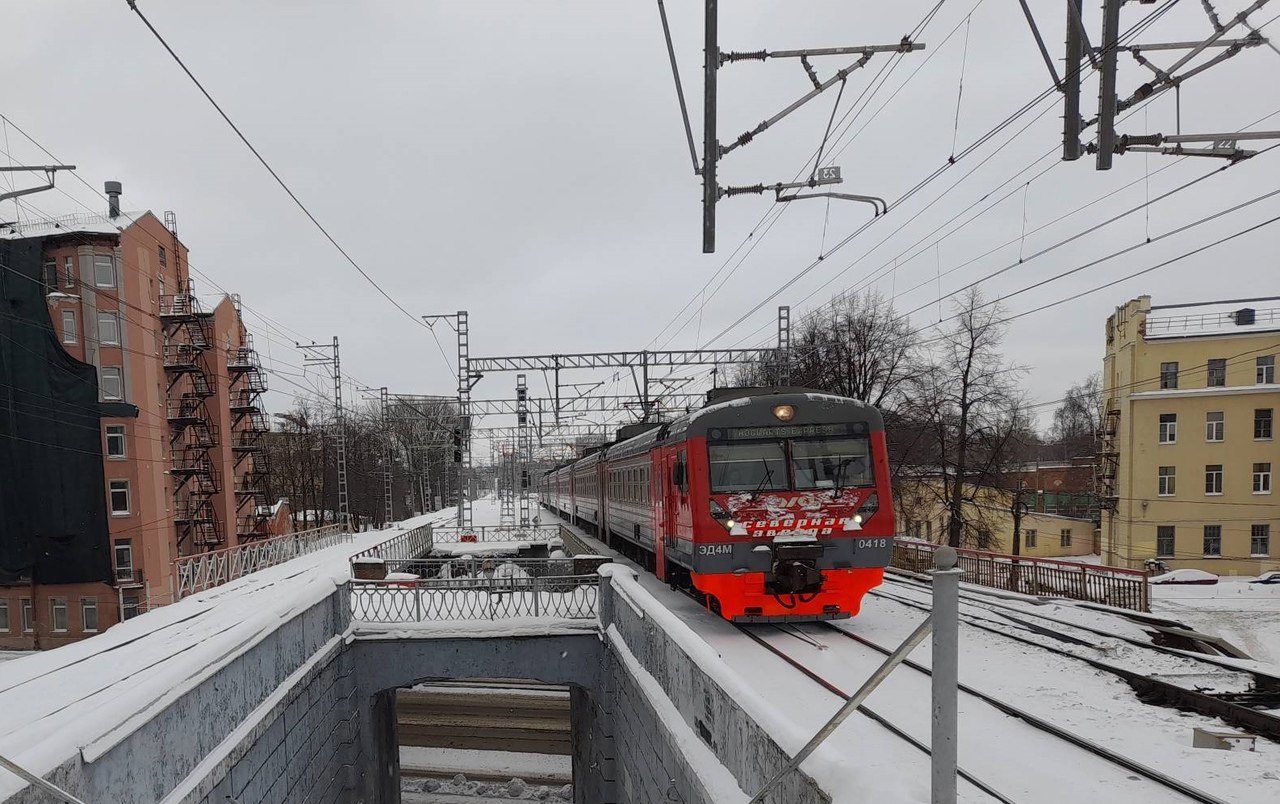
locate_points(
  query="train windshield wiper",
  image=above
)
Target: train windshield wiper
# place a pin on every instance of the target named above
(768, 476)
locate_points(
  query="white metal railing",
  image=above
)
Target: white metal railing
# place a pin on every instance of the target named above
(572, 597)
(497, 533)
(410, 544)
(207, 570)
(1181, 323)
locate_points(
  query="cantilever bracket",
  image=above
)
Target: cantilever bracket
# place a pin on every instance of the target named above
(50, 171)
(881, 206)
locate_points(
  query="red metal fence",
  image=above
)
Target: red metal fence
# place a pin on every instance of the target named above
(1113, 586)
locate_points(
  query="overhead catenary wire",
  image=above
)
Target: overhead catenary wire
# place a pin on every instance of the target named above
(133, 5)
(951, 161)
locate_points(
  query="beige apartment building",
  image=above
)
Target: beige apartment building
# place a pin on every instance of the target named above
(1190, 450)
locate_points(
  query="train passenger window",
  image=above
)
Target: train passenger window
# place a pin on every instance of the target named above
(831, 462)
(747, 466)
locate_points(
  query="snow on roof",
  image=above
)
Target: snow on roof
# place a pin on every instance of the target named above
(1213, 318)
(69, 224)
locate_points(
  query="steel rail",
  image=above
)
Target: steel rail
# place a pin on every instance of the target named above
(1057, 731)
(1148, 689)
(870, 713)
(1261, 680)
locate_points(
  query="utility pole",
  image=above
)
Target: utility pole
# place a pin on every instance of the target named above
(391, 451)
(466, 381)
(316, 354)
(524, 449)
(1018, 508)
(710, 144)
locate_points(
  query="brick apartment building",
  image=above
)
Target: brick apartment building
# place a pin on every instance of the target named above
(176, 431)
(1189, 435)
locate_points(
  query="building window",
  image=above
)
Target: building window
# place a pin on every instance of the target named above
(1213, 540)
(1262, 423)
(89, 613)
(104, 271)
(1217, 372)
(69, 333)
(163, 257)
(1065, 538)
(4, 615)
(1213, 478)
(1215, 425)
(1266, 370)
(115, 441)
(112, 384)
(1164, 541)
(58, 614)
(1166, 481)
(119, 497)
(1262, 478)
(1031, 537)
(28, 616)
(1260, 541)
(1168, 428)
(108, 329)
(130, 607)
(1168, 375)
(50, 276)
(124, 560)
(68, 272)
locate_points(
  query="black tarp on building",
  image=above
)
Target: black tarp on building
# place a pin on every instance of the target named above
(53, 509)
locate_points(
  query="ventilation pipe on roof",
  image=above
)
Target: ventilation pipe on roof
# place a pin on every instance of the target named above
(113, 189)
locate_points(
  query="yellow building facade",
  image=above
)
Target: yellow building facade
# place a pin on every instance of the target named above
(1190, 448)
(923, 514)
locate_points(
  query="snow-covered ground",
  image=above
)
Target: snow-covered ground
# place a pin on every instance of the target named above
(996, 748)
(85, 696)
(1245, 614)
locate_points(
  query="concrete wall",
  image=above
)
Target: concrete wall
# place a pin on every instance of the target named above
(275, 723)
(646, 745)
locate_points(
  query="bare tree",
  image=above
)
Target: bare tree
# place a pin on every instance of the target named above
(967, 400)
(1077, 423)
(856, 346)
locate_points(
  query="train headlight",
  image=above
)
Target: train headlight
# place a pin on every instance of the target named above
(784, 413)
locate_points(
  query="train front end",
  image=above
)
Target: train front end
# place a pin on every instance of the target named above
(798, 522)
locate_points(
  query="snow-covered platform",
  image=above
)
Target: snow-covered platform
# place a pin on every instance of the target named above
(277, 687)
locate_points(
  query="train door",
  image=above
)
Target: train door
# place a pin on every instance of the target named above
(665, 496)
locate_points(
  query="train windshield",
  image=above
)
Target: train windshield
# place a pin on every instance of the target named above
(756, 466)
(800, 464)
(824, 463)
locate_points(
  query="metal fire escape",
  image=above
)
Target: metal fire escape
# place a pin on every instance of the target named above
(247, 383)
(193, 435)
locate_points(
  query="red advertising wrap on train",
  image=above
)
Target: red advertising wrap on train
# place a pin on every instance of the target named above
(768, 504)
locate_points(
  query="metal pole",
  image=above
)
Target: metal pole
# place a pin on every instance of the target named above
(893, 660)
(388, 513)
(1107, 83)
(946, 673)
(31, 778)
(710, 145)
(344, 510)
(1071, 85)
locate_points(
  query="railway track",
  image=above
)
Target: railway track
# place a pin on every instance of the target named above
(1126, 765)
(1230, 707)
(486, 717)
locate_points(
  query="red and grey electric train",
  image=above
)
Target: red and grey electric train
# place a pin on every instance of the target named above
(769, 503)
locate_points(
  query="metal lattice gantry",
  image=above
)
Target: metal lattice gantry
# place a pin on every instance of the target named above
(639, 363)
(466, 381)
(524, 450)
(319, 354)
(1189, 59)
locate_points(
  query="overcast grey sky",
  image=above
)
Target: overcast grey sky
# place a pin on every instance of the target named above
(524, 160)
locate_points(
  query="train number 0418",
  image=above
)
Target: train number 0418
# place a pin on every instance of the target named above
(873, 543)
